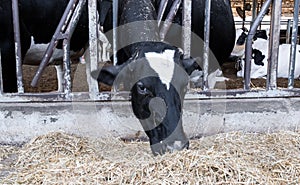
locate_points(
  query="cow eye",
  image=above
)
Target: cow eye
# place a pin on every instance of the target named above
(142, 88)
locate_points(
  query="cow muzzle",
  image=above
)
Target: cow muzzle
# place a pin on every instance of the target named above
(164, 147)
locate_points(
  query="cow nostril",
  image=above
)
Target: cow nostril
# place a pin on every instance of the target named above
(158, 117)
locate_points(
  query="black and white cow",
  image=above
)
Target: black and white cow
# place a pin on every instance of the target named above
(259, 62)
(156, 73)
(222, 29)
(35, 54)
(39, 19)
(260, 49)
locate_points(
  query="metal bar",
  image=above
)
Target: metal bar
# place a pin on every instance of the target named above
(66, 46)
(115, 30)
(206, 44)
(162, 8)
(1, 79)
(168, 22)
(254, 8)
(271, 83)
(288, 31)
(248, 47)
(18, 54)
(293, 46)
(244, 12)
(92, 63)
(57, 34)
(187, 27)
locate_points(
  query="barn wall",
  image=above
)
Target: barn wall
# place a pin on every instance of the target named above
(287, 6)
(23, 121)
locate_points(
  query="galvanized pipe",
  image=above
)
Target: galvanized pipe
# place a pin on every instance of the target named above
(115, 30)
(187, 27)
(206, 44)
(248, 47)
(18, 54)
(271, 83)
(254, 8)
(288, 31)
(92, 63)
(162, 8)
(168, 22)
(57, 35)
(293, 46)
(66, 47)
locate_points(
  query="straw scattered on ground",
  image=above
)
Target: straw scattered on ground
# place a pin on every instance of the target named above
(232, 158)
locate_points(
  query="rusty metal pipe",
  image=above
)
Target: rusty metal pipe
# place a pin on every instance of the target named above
(187, 27)
(66, 47)
(115, 30)
(206, 44)
(18, 54)
(168, 22)
(92, 63)
(57, 35)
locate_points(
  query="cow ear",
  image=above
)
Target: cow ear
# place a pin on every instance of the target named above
(191, 64)
(108, 74)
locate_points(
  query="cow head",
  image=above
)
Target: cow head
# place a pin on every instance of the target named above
(157, 76)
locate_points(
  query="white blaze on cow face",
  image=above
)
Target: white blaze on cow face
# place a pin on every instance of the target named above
(163, 65)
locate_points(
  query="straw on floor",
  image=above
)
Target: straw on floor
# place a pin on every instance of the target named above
(229, 158)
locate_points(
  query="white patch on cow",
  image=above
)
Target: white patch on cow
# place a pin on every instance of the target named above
(163, 64)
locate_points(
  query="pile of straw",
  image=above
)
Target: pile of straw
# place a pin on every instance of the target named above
(232, 158)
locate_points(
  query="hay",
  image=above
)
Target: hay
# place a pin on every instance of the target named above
(233, 158)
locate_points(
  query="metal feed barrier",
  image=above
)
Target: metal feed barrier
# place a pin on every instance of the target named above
(72, 13)
(53, 109)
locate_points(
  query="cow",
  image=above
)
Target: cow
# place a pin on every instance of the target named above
(155, 71)
(38, 19)
(35, 54)
(222, 30)
(259, 61)
(240, 41)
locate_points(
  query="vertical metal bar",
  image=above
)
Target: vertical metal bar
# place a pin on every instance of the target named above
(66, 46)
(187, 27)
(93, 48)
(18, 55)
(206, 44)
(166, 26)
(274, 45)
(244, 13)
(248, 49)
(67, 85)
(288, 31)
(254, 7)
(115, 30)
(1, 79)
(293, 45)
(161, 10)
(60, 28)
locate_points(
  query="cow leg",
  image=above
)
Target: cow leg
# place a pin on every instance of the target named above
(60, 77)
(9, 71)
